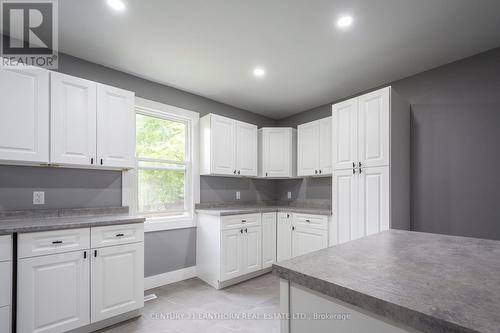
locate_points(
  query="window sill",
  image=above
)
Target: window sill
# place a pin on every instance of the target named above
(153, 224)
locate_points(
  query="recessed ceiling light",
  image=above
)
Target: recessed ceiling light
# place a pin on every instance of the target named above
(344, 22)
(117, 5)
(259, 72)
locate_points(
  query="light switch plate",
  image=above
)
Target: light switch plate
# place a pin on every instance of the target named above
(238, 195)
(289, 195)
(38, 198)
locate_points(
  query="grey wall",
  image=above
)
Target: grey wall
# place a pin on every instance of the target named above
(309, 190)
(64, 188)
(223, 189)
(455, 140)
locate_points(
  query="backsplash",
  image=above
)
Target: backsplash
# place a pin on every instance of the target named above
(63, 187)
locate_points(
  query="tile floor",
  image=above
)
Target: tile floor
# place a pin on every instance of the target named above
(257, 299)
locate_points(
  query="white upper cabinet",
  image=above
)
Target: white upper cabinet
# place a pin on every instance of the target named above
(361, 128)
(228, 147)
(73, 120)
(314, 155)
(115, 127)
(345, 134)
(277, 152)
(24, 115)
(246, 149)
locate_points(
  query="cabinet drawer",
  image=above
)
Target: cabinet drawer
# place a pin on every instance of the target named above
(5, 248)
(50, 242)
(117, 234)
(5, 283)
(5, 319)
(312, 221)
(238, 221)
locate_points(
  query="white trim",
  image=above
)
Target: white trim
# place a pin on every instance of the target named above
(129, 178)
(159, 280)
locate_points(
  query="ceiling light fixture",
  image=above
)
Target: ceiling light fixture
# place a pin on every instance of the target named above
(259, 72)
(344, 22)
(117, 5)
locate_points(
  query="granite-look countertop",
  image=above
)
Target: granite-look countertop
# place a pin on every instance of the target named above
(57, 219)
(430, 282)
(230, 209)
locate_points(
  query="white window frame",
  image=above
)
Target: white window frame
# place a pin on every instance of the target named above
(192, 195)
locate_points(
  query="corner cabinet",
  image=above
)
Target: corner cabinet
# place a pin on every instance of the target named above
(314, 148)
(277, 152)
(371, 160)
(24, 116)
(5, 283)
(64, 282)
(228, 147)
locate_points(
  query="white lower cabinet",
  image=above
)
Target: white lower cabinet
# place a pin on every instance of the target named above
(62, 291)
(284, 236)
(300, 234)
(53, 292)
(5, 314)
(5, 283)
(231, 254)
(117, 280)
(268, 239)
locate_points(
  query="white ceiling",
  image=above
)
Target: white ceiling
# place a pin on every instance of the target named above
(210, 47)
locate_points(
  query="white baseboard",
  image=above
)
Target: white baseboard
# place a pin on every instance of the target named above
(169, 277)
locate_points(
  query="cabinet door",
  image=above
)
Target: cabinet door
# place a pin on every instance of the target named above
(246, 149)
(276, 152)
(223, 145)
(308, 149)
(284, 237)
(252, 249)
(73, 120)
(53, 292)
(231, 254)
(306, 240)
(24, 115)
(374, 199)
(345, 134)
(117, 280)
(115, 127)
(325, 146)
(5, 316)
(374, 133)
(268, 239)
(345, 205)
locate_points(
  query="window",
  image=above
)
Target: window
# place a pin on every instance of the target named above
(162, 165)
(165, 185)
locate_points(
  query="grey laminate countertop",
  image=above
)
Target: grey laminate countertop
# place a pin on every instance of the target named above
(34, 221)
(221, 210)
(431, 282)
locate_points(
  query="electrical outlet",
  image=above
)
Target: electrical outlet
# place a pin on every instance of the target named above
(38, 198)
(238, 195)
(289, 195)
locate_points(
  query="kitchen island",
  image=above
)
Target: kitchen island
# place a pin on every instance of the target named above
(394, 281)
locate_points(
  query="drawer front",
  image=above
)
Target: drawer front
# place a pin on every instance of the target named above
(239, 221)
(5, 283)
(311, 221)
(5, 319)
(6, 248)
(117, 234)
(51, 242)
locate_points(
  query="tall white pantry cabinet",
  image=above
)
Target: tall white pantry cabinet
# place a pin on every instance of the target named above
(371, 162)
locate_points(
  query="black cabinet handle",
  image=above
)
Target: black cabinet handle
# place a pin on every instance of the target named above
(359, 164)
(266, 174)
(353, 171)
(241, 230)
(120, 235)
(359, 170)
(101, 161)
(353, 164)
(287, 215)
(315, 172)
(293, 228)
(243, 221)
(238, 172)
(95, 253)
(246, 230)
(57, 242)
(84, 254)
(308, 221)
(320, 172)
(91, 160)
